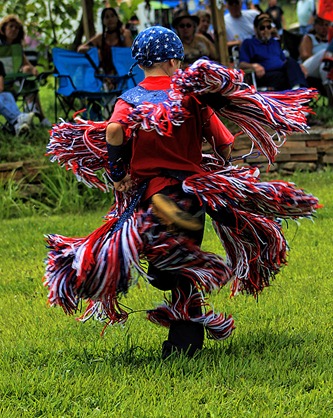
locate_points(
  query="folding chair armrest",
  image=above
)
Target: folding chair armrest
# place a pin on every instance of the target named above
(68, 77)
(250, 73)
(12, 77)
(15, 82)
(42, 77)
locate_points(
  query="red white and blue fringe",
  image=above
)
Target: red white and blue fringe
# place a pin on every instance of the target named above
(80, 146)
(101, 267)
(263, 115)
(255, 246)
(218, 326)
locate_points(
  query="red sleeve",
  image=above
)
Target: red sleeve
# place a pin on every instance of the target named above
(120, 112)
(214, 131)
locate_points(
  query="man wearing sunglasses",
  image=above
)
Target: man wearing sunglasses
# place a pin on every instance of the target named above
(263, 55)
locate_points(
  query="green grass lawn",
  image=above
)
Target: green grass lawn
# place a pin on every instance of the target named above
(278, 362)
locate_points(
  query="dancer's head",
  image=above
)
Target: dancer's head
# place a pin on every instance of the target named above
(156, 45)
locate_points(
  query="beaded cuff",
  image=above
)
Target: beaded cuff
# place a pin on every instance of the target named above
(116, 162)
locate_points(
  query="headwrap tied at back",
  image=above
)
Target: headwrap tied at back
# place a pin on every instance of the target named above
(156, 44)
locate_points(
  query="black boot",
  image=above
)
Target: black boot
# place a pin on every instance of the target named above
(185, 337)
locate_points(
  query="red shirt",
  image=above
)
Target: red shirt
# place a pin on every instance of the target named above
(182, 151)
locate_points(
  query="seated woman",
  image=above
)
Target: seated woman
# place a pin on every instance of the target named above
(328, 68)
(114, 34)
(12, 32)
(312, 49)
(195, 45)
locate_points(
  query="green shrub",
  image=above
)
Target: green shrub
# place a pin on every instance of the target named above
(53, 191)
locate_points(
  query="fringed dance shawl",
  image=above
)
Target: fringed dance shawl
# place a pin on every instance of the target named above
(101, 267)
(80, 147)
(262, 116)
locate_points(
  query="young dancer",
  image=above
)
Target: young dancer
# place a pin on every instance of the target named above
(164, 187)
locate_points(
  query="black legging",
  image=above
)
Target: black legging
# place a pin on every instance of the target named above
(182, 334)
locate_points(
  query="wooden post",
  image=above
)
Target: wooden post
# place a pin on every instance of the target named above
(88, 18)
(217, 8)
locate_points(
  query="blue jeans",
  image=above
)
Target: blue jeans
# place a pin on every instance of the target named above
(303, 30)
(8, 107)
(284, 78)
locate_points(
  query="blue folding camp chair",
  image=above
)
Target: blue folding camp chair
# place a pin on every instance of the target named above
(79, 86)
(122, 61)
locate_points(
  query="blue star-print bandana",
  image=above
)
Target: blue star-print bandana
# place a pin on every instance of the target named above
(156, 44)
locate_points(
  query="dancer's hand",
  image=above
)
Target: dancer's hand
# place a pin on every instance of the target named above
(123, 185)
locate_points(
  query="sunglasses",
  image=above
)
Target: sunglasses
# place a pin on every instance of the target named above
(185, 25)
(263, 27)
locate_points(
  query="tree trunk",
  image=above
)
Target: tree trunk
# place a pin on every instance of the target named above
(78, 36)
(88, 18)
(219, 31)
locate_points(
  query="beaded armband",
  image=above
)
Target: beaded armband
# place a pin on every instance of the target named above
(116, 162)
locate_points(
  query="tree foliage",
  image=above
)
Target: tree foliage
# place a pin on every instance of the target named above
(55, 22)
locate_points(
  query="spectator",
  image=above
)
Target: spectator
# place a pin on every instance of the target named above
(277, 16)
(19, 122)
(263, 55)
(195, 44)
(238, 23)
(328, 66)
(312, 49)
(305, 10)
(204, 24)
(254, 4)
(248, 4)
(113, 34)
(12, 32)
(132, 25)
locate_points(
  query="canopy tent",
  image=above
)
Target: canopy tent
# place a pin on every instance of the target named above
(156, 5)
(191, 5)
(171, 3)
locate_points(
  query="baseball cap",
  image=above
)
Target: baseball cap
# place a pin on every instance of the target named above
(261, 18)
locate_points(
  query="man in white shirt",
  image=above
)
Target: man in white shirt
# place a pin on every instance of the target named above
(238, 23)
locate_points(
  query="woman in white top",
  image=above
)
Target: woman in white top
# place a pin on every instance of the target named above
(312, 49)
